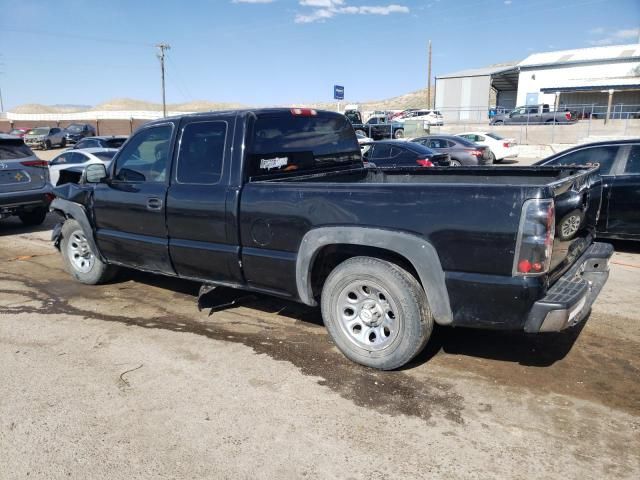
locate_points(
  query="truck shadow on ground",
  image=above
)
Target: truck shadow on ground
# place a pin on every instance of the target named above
(623, 246)
(541, 350)
(13, 226)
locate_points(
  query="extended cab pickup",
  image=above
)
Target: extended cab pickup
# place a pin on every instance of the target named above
(377, 127)
(277, 201)
(532, 115)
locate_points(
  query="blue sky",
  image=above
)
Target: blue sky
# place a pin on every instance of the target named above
(263, 52)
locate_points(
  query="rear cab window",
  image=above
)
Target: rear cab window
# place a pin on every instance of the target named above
(287, 143)
(14, 150)
(604, 156)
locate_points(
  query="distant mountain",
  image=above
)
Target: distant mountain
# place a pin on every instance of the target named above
(417, 99)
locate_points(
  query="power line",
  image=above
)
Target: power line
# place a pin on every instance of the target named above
(75, 36)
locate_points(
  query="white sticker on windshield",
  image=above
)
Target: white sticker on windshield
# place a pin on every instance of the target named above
(269, 163)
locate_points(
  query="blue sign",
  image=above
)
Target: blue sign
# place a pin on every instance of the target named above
(338, 92)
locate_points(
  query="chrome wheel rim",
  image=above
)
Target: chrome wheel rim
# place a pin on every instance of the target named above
(79, 252)
(570, 226)
(369, 316)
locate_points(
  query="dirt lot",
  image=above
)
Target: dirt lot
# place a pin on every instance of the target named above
(129, 380)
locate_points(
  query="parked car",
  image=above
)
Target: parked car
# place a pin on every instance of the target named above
(461, 150)
(431, 117)
(24, 182)
(101, 142)
(75, 161)
(18, 132)
(45, 138)
(397, 153)
(499, 146)
(534, 114)
(77, 131)
(386, 252)
(377, 127)
(619, 167)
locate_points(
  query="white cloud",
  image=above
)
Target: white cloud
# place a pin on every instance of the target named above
(508, 2)
(326, 9)
(618, 36)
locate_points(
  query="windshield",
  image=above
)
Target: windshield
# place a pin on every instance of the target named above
(74, 128)
(39, 131)
(14, 149)
(105, 156)
(283, 143)
(495, 136)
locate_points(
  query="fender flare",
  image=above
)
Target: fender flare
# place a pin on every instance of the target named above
(419, 252)
(79, 214)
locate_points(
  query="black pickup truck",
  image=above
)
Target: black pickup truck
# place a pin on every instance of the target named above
(277, 201)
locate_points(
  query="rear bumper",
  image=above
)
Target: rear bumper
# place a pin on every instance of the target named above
(15, 202)
(569, 300)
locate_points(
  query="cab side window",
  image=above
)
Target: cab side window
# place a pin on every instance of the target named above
(146, 156)
(633, 162)
(201, 152)
(604, 156)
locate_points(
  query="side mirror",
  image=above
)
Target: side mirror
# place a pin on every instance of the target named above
(94, 173)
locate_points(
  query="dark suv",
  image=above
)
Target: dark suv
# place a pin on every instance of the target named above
(24, 182)
(77, 131)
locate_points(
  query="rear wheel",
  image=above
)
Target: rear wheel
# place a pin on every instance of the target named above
(361, 132)
(493, 158)
(376, 312)
(498, 122)
(454, 163)
(79, 259)
(34, 217)
(63, 143)
(399, 133)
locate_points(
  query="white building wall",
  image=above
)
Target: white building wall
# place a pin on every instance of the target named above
(533, 80)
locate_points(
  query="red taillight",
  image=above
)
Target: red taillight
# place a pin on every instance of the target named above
(304, 112)
(568, 115)
(536, 233)
(476, 153)
(506, 144)
(35, 163)
(424, 162)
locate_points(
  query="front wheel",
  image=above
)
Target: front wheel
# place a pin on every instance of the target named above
(63, 143)
(498, 122)
(399, 133)
(80, 260)
(376, 312)
(46, 145)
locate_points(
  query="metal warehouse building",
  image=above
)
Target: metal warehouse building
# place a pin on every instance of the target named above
(594, 79)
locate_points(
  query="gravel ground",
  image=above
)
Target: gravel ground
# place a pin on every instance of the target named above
(129, 380)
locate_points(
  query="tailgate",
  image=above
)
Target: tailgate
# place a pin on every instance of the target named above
(17, 177)
(577, 205)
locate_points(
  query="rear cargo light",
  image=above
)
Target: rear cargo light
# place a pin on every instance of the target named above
(304, 112)
(424, 162)
(534, 244)
(35, 163)
(568, 115)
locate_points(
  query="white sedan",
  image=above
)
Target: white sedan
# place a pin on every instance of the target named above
(500, 147)
(78, 158)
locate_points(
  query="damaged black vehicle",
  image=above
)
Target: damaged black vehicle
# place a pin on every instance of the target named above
(278, 201)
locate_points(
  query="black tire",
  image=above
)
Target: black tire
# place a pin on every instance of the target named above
(63, 143)
(399, 133)
(34, 217)
(406, 308)
(550, 121)
(362, 132)
(98, 272)
(454, 163)
(493, 158)
(570, 225)
(46, 145)
(498, 122)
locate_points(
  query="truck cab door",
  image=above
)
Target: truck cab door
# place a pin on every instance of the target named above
(201, 203)
(130, 207)
(624, 198)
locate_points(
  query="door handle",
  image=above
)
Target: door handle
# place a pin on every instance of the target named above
(154, 203)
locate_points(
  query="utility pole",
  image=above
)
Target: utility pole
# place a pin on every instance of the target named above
(162, 47)
(429, 79)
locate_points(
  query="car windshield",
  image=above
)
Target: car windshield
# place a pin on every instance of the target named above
(15, 131)
(495, 136)
(14, 149)
(39, 131)
(105, 156)
(74, 128)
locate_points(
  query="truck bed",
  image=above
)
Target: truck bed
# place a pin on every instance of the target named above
(515, 176)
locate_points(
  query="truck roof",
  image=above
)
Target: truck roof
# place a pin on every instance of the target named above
(256, 111)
